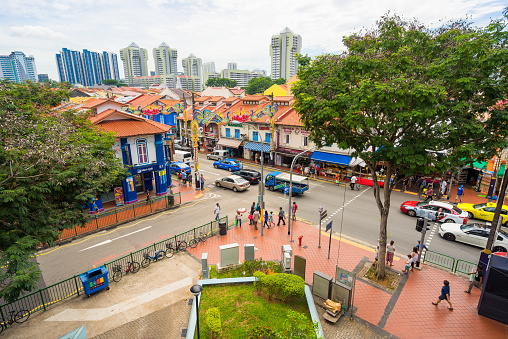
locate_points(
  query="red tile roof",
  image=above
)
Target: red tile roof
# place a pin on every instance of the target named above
(231, 99)
(216, 99)
(144, 100)
(284, 98)
(202, 99)
(289, 118)
(125, 125)
(236, 91)
(259, 98)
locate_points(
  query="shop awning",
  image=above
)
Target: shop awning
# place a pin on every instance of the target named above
(331, 158)
(479, 165)
(292, 152)
(254, 146)
(500, 173)
(357, 161)
(234, 143)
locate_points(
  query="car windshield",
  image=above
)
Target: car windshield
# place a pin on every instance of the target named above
(479, 205)
(456, 209)
(468, 227)
(235, 162)
(423, 203)
(503, 233)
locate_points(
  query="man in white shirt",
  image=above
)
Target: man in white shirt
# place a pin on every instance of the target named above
(443, 187)
(217, 211)
(353, 182)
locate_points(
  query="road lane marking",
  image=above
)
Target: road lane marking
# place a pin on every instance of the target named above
(208, 172)
(111, 240)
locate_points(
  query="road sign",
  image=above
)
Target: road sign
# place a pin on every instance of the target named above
(286, 190)
(278, 186)
(323, 214)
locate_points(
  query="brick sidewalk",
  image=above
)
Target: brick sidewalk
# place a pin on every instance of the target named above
(402, 313)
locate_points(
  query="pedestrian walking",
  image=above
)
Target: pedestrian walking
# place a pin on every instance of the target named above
(281, 217)
(430, 193)
(353, 182)
(390, 251)
(238, 219)
(217, 211)
(404, 184)
(198, 186)
(271, 219)
(337, 178)
(147, 196)
(460, 193)
(410, 181)
(477, 280)
(266, 222)
(252, 209)
(445, 295)
(443, 187)
(414, 258)
(418, 183)
(418, 247)
(376, 256)
(202, 182)
(408, 264)
(255, 219)
(293, 210)
(424, 183)
(190, 178)
(184, 178)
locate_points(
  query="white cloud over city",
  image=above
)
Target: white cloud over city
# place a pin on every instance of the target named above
(217, 30)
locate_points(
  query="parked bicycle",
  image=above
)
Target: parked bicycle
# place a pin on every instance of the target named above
(18, 317)
(118, 270)
(172, 248)
(159, 255)
(194, 242)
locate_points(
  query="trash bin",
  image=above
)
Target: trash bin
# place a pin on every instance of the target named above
(171, 200)
(223, 228)
(95, 280)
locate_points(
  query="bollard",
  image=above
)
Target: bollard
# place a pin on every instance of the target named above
(300, 240)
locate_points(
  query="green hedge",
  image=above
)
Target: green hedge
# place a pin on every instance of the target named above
(213, 321)
(280, 285)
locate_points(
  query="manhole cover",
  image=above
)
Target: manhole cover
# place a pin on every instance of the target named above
(184, 333)
(189, 302)
(305, 246)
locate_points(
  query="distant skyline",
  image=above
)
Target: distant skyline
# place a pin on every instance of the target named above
(221, 31)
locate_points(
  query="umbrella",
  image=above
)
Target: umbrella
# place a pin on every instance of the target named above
(241, 210)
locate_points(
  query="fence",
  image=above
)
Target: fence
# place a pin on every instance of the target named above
(450, 263)
(122, 214)
(45, 297)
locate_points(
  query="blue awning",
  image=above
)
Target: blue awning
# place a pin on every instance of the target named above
(254, 146)
(331, 158)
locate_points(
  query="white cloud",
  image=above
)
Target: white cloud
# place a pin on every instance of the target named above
(38, 32)
(215, 30)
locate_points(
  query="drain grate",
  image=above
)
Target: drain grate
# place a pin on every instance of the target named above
(184, 333)
(305, 246)
(189, 302)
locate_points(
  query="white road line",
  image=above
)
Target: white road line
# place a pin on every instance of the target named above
(110, 240)
(209, 172)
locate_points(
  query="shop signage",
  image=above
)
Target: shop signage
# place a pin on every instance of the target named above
(119, 196)
(145, 169)
(264, 128)
(235, 125)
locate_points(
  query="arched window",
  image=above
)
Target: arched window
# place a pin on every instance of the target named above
(142, 151)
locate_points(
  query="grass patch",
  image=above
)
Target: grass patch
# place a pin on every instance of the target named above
(247, 269)
(386, 282)
(243, 309)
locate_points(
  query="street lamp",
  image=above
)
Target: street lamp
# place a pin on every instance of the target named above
(196, 290)
(262, 185)
(290, 223)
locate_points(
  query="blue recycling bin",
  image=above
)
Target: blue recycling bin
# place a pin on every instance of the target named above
(95, 280)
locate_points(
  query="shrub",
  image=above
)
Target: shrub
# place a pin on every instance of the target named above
(263, 333)
(259, 284)
(213, 321)
(282, 285)
(297, 326)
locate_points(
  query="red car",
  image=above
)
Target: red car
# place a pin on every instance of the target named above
(435, 211)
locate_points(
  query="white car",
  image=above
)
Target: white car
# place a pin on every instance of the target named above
(431, 210)
(475, 234)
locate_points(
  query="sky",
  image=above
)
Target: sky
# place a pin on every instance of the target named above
(221, 31)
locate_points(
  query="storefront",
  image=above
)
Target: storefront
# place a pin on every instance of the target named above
(142, 180)
(331, 163)
(232, 145)
(284, 157)
(252, 151)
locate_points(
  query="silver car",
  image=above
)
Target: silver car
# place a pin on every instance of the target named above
(234, 182)
(475, 234)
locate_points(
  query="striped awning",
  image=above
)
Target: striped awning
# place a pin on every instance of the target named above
(254, 146)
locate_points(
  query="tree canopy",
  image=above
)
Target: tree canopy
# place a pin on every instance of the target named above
(259, 85)
(221, 82)
(51, 165)
(420, 100)
(113, 82)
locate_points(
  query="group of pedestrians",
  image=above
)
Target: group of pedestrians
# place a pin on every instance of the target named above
(255, 216)
(199, 179)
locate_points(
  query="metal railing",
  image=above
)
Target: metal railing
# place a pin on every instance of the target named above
(454, 265)
(122, 214)
(50, 295)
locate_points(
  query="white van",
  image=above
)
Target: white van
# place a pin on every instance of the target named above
(183, 156)
(218, 155)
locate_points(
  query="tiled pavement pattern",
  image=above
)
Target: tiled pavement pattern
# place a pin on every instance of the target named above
(408, 313)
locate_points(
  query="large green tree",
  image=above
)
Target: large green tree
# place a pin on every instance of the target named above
(51, 164)
(418, 99)
(221, 82)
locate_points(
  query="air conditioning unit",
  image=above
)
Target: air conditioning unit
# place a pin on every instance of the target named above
(287, 261)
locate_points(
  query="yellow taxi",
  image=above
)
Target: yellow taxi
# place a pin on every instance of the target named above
(484, 211)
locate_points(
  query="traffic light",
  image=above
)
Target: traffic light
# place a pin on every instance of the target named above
(420, 224)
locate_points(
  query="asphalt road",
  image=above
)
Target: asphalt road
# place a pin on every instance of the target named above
(354, 215)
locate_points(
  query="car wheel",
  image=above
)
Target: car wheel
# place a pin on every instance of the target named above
(499, 249)
(230, 169)
(449, 221)
(449, 237)
(411, 213)
(208, 158)
(235, 189)
(215, 166)
(470, 215)
(506, 224)
(217, 184)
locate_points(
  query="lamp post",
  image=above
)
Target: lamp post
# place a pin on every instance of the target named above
(290, 223)
(261, 184)
(196, 290)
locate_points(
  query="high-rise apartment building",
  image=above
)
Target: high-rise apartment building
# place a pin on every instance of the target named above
(209, 67)
(165, 59)
(192, 66)
(42, 77)
(135, 62)
(17, 67)
(232, 65)
(86, 68)
(242, 77)
(283, 50)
